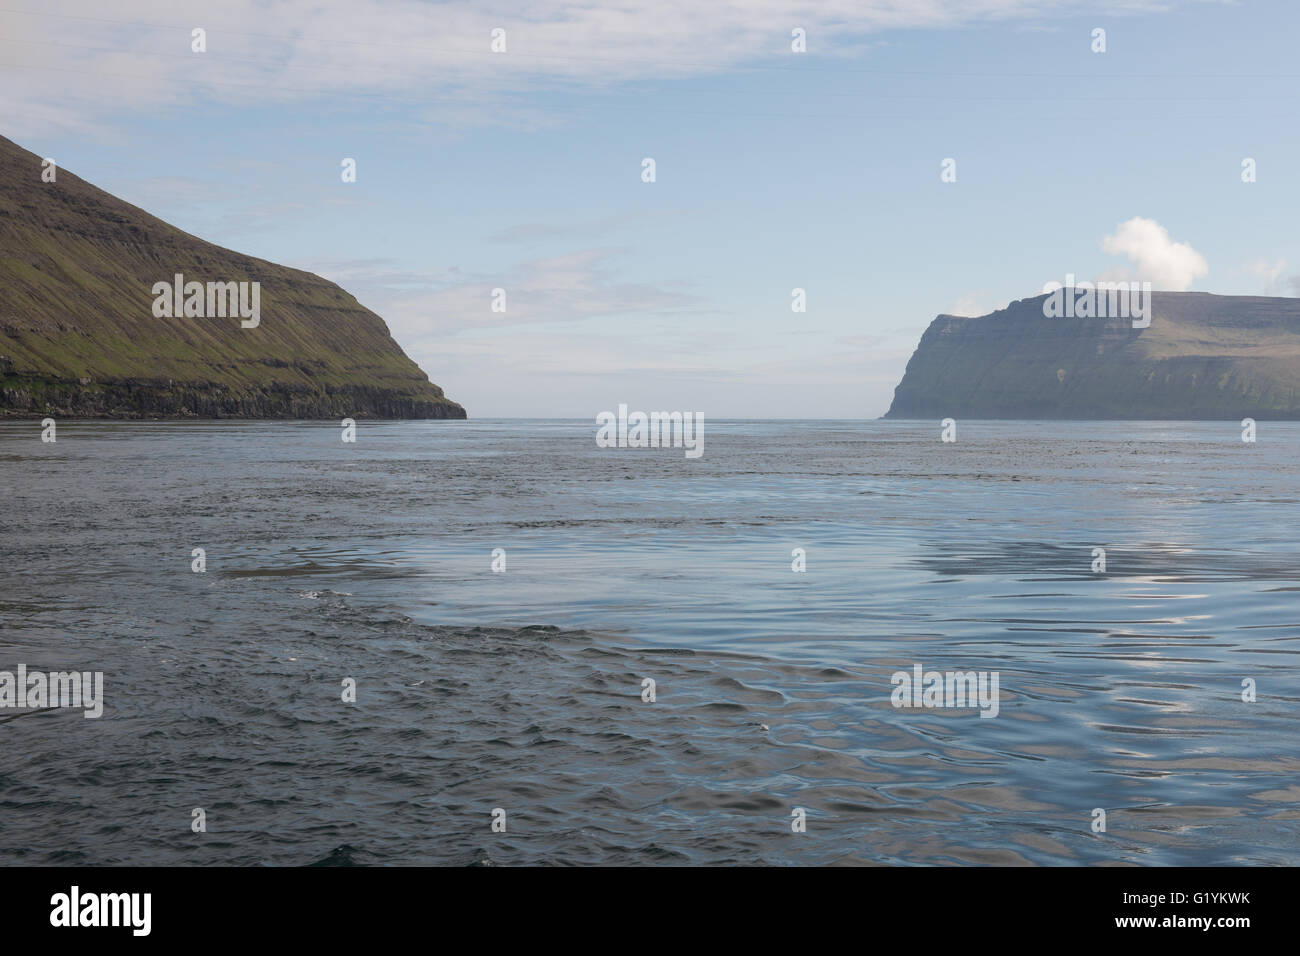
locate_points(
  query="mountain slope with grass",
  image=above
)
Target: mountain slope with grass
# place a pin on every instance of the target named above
(79, 337)
(1203, 357)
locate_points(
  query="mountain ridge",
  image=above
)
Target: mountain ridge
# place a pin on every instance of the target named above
(1204, 356)
(79, 336)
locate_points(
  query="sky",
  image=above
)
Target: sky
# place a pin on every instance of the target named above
(774, 170)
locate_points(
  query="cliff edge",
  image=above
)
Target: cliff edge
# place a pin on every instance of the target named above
(1203, 356)
(81, 334)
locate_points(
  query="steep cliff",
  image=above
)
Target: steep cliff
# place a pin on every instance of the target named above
(79, 335)
(1202, 357)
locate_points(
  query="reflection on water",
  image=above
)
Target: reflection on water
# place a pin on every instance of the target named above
(522, 689)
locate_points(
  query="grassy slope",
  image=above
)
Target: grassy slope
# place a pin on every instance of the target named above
(77, 267)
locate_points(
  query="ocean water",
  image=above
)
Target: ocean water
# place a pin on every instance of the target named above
(522, 689)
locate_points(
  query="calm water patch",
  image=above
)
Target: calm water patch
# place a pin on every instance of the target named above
(522, 689)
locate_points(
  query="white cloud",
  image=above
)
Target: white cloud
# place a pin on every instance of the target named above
(73, 68)
(979, 302)
(1169, 266)
(570, 287)
(1273, 276)
(1270, 272)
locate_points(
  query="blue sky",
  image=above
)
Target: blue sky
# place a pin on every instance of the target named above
(774, 170)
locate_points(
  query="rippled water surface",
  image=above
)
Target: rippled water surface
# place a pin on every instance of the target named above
(522, 690)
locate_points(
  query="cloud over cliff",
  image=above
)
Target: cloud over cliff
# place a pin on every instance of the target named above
(1168, 265)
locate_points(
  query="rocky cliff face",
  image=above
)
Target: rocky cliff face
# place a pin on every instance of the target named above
(79, 336)
(1202, 357)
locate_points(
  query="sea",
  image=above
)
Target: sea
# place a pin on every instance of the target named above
(492, 642)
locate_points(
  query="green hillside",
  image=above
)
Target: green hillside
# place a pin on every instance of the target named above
(78, 335)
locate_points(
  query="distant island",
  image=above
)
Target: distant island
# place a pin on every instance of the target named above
(1202, 357)
(109, 312)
